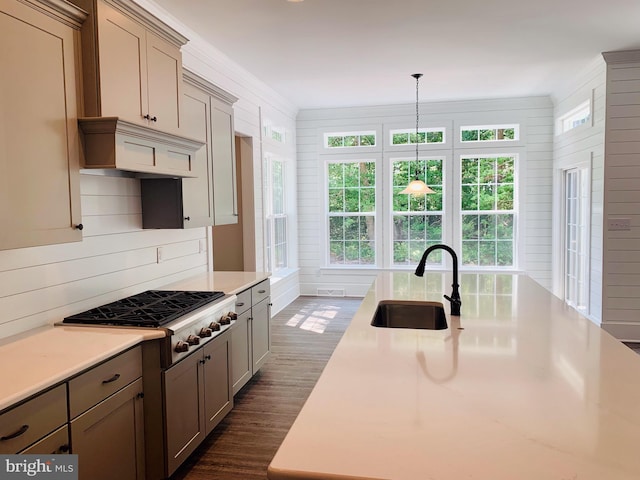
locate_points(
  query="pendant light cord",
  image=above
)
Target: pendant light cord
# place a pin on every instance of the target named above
(417, 77)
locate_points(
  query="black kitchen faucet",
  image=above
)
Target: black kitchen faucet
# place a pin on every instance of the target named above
(454, 299)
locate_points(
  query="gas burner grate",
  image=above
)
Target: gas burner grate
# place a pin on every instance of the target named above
(152, 308)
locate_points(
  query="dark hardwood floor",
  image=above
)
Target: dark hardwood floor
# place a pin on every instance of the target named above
(303, 337)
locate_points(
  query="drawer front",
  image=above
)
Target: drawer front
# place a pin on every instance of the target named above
(54, 444)
(25, 424)
(243, 301)
(92, 387)
(260, 291)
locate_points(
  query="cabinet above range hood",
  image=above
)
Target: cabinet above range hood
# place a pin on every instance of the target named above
(111, 142)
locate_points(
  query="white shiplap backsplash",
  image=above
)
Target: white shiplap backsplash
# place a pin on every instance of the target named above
(41, 285)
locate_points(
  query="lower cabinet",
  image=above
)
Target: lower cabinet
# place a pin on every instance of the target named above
(25, 426)
(251, 336)
(108, 438)
(106, 419)
(197, 396)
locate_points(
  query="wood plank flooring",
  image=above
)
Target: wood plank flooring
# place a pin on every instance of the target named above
(303, 337)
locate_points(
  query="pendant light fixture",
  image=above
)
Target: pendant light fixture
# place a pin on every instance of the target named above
(417, 186)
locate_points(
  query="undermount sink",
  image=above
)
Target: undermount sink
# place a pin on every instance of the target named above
(410, 314)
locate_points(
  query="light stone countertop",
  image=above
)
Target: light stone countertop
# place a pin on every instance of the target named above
(43, 357)
(519, 387)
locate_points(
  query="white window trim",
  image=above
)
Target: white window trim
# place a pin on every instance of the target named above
(424, 130)
(268, 208)
(324, 230)
(348, 134)
(447, 234)
(560, 121)
(580, 161)
(516, 133)
(519, 154)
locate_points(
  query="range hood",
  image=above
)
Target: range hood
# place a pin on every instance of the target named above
(114, 143)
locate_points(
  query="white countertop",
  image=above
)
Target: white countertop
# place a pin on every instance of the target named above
(527, 390)
(40, 358)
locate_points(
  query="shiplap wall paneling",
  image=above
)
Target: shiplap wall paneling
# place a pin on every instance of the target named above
(621, 249)
(536, 203)
(584, 142)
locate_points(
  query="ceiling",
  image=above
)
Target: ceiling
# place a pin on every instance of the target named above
(335, 53)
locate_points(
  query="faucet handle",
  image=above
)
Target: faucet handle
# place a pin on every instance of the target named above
(455, 304)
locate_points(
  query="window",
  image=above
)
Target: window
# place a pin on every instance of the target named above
(408, 136)
(417, 219)
(490, 133)
(352, 210)
(349, 139)
(488, 214)
(276, 218)
(574, 118)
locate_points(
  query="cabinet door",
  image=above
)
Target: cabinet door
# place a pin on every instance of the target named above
(241, 365)
(109, 438)
(224, 163)
(164, 83)
(123, 66)
(260, 333)
(39, 146)
(218, 394)
(197, 193)
(184, 409)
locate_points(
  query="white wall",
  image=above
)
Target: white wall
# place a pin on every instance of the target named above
(535, 115)
(41, 285)
(621, 249)
(585, 143)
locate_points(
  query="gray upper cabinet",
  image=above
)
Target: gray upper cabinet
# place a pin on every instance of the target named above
(210, 197)
(39, 147)
(132, 65)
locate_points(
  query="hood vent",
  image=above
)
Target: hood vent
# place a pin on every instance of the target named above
(113, 143)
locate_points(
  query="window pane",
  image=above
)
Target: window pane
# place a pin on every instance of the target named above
(352, 237)
(336, 228)
(336, 200)
(469, 197)
(469, 170)
(488, 239)
(435, 137)
(367, 140)
(335, 174)
(469, 135)
(486, 197)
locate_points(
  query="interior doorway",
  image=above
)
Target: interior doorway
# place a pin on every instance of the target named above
(234, 245)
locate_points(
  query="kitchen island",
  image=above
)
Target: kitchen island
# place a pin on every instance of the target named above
(520, 386)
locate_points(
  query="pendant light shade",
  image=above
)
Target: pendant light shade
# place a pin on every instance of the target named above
(417, 186)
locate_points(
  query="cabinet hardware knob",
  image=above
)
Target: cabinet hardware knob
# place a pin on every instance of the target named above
(201, 362)
(270, 304)
(79, 226)
(17, 433)
(147, 117)
(262, 291)
(62, 448)
(187, 218)
(154, 119)
(140, 395)
(207, 357)
(239, 304)
(112, 379)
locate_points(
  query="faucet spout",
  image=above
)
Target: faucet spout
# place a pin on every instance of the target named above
(454, 299)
